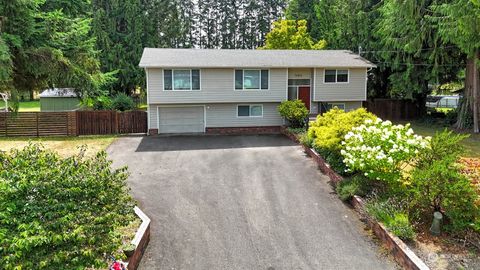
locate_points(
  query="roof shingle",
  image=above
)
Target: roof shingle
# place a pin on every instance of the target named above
(227, 58)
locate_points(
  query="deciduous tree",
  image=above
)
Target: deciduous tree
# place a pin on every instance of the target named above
(291, 34)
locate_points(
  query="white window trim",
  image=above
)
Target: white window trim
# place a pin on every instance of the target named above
(250, 116)
(191, 82)
(243, 79)
(336, 75)
(333, 104)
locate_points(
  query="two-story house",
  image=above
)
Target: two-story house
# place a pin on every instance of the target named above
(221, 91)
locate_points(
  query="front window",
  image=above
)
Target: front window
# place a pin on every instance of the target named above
(251, 79)
(250, 110)
(336, 76)
(181, 79)
(340, 106)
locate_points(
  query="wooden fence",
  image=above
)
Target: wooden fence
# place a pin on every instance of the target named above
(394, 109)
(111, 122)
(37, 124)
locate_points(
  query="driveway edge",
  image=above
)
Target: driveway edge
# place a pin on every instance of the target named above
(400, 251)
(141, 239)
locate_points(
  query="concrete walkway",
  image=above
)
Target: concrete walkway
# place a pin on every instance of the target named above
(241, 202)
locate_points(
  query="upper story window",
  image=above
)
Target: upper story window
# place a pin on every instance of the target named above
(251, 79)
(336, 76)
(181, 79)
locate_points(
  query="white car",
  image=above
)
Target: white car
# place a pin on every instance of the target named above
(443, 102)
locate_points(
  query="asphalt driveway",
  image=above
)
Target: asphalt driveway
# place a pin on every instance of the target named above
(241, 202)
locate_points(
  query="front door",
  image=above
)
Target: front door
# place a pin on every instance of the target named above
(304, 95)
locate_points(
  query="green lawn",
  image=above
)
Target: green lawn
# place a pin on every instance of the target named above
(472, 143)
(65, 146)
(29, 106)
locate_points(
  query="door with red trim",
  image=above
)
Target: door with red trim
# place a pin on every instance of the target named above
(304, 95)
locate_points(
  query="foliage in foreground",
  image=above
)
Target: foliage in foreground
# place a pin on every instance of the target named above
(328, 131)
(437, 182)
(294, 111)
(60, 213)
(393, 214)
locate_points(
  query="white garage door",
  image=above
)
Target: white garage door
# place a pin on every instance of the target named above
(180, 119)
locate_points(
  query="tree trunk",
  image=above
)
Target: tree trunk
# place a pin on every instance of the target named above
(476, 93)
(469, 107)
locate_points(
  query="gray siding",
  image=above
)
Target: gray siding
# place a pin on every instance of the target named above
(217, 86)
(225, 115)
(354, 90)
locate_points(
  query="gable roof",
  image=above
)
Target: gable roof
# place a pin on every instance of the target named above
(228, 58)
(59, 92)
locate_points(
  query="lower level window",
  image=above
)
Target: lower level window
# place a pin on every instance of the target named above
(250, 110)
(341, 106)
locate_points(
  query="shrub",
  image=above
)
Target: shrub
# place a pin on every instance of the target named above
(439, 185)
(393, 215)
(122, 102)
(334, 159)
(355, 185)
(381, 150)
(60, 213)
(100, 103)
(306, 140)
(329, 129)
(294, 111)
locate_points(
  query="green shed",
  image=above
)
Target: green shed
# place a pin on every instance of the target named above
(58, 100)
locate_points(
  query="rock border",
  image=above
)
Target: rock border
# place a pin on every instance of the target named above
(141, 239)
(400, 251)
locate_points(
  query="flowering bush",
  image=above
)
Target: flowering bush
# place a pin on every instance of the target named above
(328, 130)
(380, 149)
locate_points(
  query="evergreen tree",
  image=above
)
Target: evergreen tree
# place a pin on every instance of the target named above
(122, 30)
(305, 10)
(44, 46)
(459, 24)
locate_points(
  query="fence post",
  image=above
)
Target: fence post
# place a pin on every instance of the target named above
(116, 122)
(36, 114)
(77, 123)
(68, 124)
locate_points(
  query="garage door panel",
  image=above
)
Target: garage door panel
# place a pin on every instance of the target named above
(181, 119)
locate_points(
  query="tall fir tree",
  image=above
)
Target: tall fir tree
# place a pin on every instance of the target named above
(45, 45)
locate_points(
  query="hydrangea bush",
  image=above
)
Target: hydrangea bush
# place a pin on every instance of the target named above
(380, 149)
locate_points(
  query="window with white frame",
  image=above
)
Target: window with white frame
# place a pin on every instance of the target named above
(336, 76)
(250, 110)
(181, 79)
(251, 79)
(340, 106)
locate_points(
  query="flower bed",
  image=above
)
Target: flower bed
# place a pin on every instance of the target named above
(401, 252)
(405, 177)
